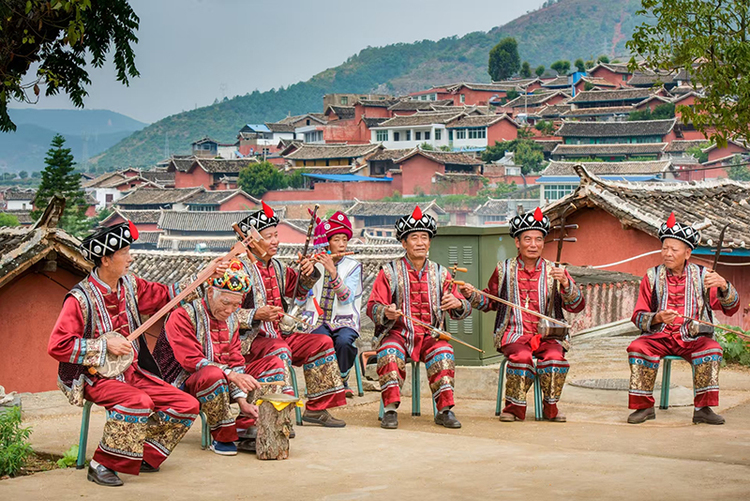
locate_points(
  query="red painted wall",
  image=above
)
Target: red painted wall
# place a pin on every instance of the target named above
(729, 150)
(418, 172)
(26, 326)
(196, 177)
(345, 131)
(237, 202)
(289, 235)
(601, 239)
(365, 190)
(614, 78)
(503, 130)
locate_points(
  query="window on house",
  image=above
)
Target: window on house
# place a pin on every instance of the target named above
(624, 78)
(478, 133)
(344, 100)
(557, 191)
(417, 136)
(438, 135)
(427, 136)
(109, 198)
(463, 98)
(397, 136)
(450, 135)
(460, 133)
(381, 135)
(307, 122)
(408, 135)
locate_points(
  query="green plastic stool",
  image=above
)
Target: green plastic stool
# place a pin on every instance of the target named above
(84, 436)
(666, 376)
(297, 411)
(416, 407)
(358, 373)
(537, 392)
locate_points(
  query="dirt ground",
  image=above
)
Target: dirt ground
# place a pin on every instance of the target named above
(596, 455)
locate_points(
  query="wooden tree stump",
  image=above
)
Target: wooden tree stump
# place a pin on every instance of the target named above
(274, 427)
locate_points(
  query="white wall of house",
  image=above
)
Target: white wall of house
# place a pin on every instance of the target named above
(20, 205)
(550, 192)
(475, 137)
(410, 137)
(101, 196)
(312, 134)
(227, 152)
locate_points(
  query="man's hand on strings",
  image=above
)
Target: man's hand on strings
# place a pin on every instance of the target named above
(666, 317)
(450, 302)
(560, 275)
(306, 266)
(391, 312)
(713, 279)
(467, 290)
(269, 313)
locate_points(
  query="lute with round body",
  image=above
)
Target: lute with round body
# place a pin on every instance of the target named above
(114, 365)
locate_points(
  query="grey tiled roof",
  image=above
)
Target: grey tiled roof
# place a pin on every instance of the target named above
(200, 221)
(421, 118)
(361, 208)
(157, 196)
(492, 207)
(413, 105)
(557, 168)
(595, 150)
(478, 121)
(594, 96)
(323, 151)
(616, 129)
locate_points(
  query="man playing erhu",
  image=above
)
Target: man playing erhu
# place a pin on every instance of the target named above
(530, 281)
(413, 286)
(670, 294)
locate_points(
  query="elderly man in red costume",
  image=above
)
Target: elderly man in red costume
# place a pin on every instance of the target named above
(670, 295)
(262, 329)
(146, 417)
(199, 351)
(419, 288)
(529, 280)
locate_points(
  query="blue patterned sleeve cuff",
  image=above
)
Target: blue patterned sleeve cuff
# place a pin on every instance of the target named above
(729, 298)
(572, 296)
(644, 319)
(462, 312)
(479, 301)
(378, 314)
(89, 352)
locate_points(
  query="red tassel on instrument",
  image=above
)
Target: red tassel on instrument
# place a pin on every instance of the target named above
(317, 307)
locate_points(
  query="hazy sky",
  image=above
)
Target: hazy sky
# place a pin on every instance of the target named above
(191, 52)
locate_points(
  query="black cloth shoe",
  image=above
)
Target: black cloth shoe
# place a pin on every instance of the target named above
(246, 445)
(708, 416)
(390, 420)
(642, 415)
(322, 418)
(447, 419)
(103, 476)
(292, 433)
(147, 468)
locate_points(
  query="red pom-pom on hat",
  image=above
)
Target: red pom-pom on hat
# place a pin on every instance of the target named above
(538, 216)
(268, 211)
(317, 307)
(671, 221)
(417, 214)
(133, 230)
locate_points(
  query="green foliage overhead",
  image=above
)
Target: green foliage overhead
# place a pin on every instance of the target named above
(8, 220)
(397, 69)
(14, 442)
(539, 71)
(504, 59)
(662, 111)
(61, 36)
(546, 127)
(527, 154)
(709, 38)
(602, 59)
(698, 153)
(258, 178)
(580, 65)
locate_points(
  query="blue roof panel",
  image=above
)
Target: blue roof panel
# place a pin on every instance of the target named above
(346, 178)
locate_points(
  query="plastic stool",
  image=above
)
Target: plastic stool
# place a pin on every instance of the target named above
(666, 376)
(537, 392)
(358, 373)
(416, 407)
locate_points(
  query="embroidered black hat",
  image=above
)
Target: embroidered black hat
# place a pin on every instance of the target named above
(260, 220)
(530, 221)
(107, 241)
(679, 231)
(416, 222)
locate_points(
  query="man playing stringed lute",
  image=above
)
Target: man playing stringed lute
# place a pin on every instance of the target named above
(146, 417)
(670, 294)
(529, 280)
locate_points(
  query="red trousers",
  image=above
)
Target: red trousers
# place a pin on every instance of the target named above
(316, 354)
(438, 359)
(645, 352)
(146, 419)
(551, 368)
(210, 386)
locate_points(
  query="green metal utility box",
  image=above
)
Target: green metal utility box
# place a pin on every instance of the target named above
(477, 248)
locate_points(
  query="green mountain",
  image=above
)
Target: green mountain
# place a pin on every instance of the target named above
(87, 133)
(567, 29)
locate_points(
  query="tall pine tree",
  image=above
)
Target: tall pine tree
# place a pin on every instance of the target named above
(59, 177)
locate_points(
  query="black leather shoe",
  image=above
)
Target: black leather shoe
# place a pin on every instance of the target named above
(147, 468)
(642, 415)
(708, 416)
(103, 476)
(389, 421)
(447, 419)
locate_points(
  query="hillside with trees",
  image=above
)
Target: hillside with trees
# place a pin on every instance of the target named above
(563, 30)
